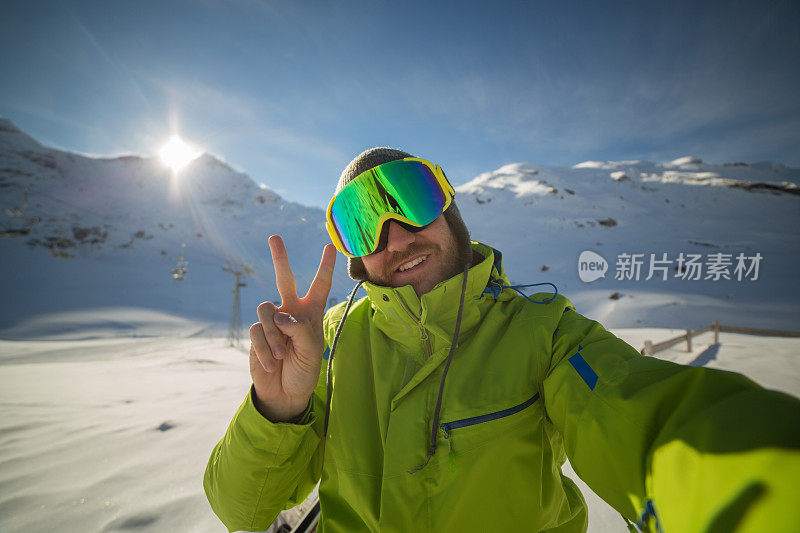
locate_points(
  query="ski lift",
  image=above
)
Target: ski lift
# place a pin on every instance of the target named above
(239, 269)
(179, 272)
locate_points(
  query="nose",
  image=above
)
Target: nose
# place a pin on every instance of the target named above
(398, 238)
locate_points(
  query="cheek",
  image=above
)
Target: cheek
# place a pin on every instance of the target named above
(372, 264)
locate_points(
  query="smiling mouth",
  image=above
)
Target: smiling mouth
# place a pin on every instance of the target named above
(412, 264)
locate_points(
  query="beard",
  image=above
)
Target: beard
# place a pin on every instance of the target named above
(447, 262)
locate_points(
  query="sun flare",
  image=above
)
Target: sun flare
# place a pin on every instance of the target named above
(176, 154)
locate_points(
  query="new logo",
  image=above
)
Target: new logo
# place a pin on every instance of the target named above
(591, 266)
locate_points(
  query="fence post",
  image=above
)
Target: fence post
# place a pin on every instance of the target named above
(716, 332)
(688, 340)
(648, 348)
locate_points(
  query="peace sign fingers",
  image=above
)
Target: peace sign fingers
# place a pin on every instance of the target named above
(284, 279)
(288, 341)
(321, 286)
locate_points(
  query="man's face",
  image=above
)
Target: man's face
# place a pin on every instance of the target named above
(421, 259)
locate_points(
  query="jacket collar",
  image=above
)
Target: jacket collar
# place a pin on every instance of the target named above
(398, 308)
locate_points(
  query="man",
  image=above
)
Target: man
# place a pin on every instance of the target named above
(448, 402)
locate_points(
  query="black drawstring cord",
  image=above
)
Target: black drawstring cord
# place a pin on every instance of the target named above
(436, 412)
(328, 378)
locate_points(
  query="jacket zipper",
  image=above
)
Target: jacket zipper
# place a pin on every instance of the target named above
(426, 341)
(464, 422)
(423, 333)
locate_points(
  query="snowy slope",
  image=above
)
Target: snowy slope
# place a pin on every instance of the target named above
(113, 434)
(81, 233)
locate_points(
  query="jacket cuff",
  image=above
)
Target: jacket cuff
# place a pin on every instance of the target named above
(304, 418)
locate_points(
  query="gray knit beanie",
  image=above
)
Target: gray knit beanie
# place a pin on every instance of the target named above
(377, 156)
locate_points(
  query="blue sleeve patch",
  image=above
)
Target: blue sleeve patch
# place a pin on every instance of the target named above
(326, 353)
(584, 370)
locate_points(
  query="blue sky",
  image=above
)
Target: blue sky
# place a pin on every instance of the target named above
(289, 92)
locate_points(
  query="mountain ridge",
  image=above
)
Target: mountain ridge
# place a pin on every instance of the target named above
(79, 232)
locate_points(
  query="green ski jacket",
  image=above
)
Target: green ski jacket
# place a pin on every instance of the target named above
(673, 448)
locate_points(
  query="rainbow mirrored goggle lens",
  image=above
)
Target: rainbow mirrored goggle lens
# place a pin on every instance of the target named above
(410, 190)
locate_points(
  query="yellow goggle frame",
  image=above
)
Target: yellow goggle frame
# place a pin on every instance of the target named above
(377, 184)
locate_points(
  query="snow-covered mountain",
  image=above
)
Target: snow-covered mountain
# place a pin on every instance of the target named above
(542, 218)
(81, 233)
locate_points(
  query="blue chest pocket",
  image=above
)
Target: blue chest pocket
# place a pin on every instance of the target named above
(480, 419)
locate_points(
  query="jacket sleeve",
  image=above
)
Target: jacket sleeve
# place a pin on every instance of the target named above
(673, 447)
(260, 468)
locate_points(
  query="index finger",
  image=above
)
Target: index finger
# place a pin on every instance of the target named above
(321, 286)
(284, 278)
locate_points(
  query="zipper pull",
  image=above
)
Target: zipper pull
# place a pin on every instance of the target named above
(423, 333)
(451, 455)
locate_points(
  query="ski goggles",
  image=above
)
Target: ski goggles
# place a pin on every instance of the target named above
(411, 190)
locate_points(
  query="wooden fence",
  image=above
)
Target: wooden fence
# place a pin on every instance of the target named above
(650, 348)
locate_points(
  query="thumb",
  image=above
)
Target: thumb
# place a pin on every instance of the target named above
(300, 331)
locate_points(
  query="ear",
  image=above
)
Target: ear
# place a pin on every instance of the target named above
(460, 231)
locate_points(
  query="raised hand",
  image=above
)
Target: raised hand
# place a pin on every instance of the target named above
(286, 344)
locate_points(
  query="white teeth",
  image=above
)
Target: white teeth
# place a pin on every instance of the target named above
(411, 264)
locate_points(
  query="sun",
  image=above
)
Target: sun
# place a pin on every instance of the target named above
(176, 154)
